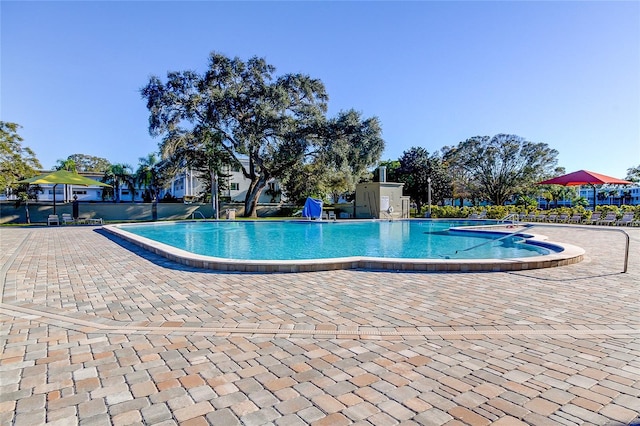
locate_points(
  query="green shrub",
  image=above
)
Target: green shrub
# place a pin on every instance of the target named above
(449, 212)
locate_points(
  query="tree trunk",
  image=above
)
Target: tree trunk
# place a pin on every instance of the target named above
(253, 195)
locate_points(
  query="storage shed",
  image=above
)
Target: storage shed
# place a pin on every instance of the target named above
(381, 200)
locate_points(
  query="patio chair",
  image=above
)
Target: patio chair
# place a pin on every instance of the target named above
(609, 219)
(332, 215)
(541, 217)
(67, 219)
(576, 218)
(595, 217)
(626, 220)
(53, 219)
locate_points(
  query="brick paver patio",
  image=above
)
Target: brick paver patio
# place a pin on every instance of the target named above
(96, 331)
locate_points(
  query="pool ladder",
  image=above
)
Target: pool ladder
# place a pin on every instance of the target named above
(193, 215)
(513, 217)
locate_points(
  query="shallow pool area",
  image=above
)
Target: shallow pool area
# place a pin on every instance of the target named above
(294, 246)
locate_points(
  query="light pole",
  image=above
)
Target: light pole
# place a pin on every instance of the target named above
(429, 196)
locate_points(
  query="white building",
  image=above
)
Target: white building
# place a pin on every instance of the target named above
(186, 185)
(628, 195)
(65, 193)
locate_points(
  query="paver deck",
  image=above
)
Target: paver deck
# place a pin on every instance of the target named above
(97, 331)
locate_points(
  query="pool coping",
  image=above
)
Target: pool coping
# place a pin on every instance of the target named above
(569, 254)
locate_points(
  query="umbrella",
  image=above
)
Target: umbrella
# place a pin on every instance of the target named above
(585, 177)
(62, 177)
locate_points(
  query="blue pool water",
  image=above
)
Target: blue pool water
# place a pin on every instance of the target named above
(290, 240)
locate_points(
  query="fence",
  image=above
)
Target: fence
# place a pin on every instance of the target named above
(38, 212)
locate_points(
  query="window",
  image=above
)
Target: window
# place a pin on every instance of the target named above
(234, 186)
(80, 192)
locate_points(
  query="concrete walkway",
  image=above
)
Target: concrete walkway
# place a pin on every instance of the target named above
(96, 331)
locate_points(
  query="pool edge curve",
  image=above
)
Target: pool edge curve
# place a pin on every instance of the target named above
(569, 254)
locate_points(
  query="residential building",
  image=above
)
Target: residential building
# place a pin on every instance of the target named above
(187, 186)
(184, 186)
(64, 193)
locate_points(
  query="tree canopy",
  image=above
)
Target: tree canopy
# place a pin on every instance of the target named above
(86, 163)
(116, 176)
(148, 177)
(633, 174)
(340, 158)
(504, 165)
(200, 150)
(278, 123)
(16, 161)
(419, 170)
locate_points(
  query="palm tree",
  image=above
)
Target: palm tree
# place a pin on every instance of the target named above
(200, 150)
(68, 165)
(147, 177)
(603, 193)
(547, 196)
(612, 193)
(117, 175)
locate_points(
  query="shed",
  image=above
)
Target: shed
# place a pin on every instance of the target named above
(381, 200)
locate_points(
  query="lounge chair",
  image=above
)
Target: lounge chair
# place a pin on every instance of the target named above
(576, 218)
(332, 215)
(595, 217)
(531, 217)
(562, 218)
(53, 219)
(552, 217)
(541, 217)
(67, 219)
(626, 220)
(609, 219)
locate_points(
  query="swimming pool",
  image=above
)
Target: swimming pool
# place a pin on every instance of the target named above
(289, 246)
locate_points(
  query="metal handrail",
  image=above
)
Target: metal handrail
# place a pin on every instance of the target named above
(193, 215)
(514, 217)
(593, 228)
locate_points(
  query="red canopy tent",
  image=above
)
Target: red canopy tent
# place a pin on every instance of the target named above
(585, 177)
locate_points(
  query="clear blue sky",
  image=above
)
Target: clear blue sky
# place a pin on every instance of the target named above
(434, 73)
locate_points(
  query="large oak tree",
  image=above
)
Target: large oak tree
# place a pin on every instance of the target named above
(275, 122)
(503, 165)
